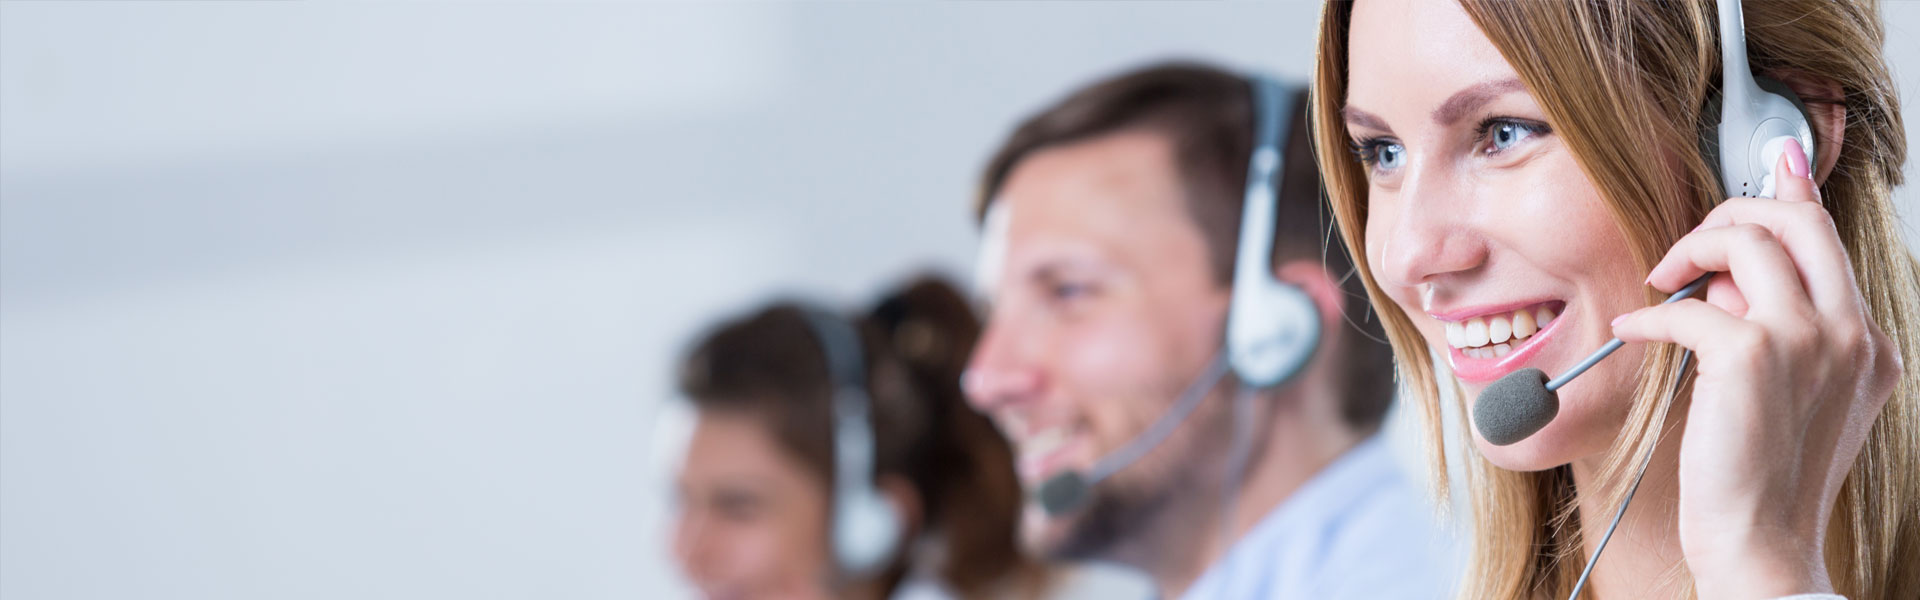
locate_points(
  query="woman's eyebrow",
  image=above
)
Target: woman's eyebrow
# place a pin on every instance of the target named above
(1473, 97)
(1355, 116)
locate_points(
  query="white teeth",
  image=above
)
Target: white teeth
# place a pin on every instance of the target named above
(1495, 336)
(1477, 332)
(1044, 443)
(1523, 326)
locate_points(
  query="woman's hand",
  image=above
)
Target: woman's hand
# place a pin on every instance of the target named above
(1792, 373)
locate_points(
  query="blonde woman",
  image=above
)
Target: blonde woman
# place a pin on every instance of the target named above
(1538, 164)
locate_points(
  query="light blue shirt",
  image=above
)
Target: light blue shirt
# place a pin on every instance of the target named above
(1356, 530)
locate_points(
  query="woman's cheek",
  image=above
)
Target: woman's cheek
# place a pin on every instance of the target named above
(1376, 250)
(1405, 297)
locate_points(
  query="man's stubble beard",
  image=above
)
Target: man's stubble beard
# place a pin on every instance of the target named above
(1129, 518)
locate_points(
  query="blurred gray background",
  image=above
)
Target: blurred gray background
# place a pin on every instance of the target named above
(305, 300)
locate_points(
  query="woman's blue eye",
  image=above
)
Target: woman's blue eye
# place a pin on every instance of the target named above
(1390, 156)
(1380, 154)
(1501, 135)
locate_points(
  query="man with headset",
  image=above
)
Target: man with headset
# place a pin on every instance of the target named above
(1188, 372)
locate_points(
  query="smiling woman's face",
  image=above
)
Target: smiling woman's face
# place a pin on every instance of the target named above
(753, 517)
(1481, 225)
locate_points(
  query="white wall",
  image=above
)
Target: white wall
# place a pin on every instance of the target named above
(306, 300)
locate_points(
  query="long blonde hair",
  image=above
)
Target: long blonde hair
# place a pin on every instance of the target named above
(1615, 79)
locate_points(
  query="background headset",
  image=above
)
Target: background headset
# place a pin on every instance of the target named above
(1757, 117)
(1273, 327)
(867, 526)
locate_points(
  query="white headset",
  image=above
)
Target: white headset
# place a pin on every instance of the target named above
(866, 525)
(1757, 116)
(1273, 327)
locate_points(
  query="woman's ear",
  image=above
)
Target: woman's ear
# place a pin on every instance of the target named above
(1825, 102)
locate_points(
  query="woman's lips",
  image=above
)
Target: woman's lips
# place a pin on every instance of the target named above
(1483, 363)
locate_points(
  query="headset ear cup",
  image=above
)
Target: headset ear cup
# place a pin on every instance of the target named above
(1756, 115)
(1710, 115)
(867, 531)
(1272, 333)
(1273, 327)
(1781, 89)
(1300, 307)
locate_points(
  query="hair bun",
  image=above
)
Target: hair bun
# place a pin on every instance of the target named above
(928, 323)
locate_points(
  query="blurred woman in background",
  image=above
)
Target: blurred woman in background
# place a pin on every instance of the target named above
(758, 487)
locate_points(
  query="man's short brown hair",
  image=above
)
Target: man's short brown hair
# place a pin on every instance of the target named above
(1208, 116)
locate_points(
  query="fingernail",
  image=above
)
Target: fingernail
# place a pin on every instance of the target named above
(1617, 320)
(1796, 158)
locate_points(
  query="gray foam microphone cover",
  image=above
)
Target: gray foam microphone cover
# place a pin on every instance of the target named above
(1514, 407)
(1062, 493)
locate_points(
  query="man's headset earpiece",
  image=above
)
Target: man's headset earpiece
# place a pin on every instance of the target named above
(866, 524)
(1273, 327)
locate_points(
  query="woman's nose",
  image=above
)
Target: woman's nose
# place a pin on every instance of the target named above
(1425, 229)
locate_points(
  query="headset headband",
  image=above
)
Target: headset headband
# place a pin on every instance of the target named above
(853, 446)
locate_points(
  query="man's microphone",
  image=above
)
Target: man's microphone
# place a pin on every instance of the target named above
(1067, 490)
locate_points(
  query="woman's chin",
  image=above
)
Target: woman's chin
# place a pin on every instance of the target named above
(1559, 443)
(1525, 455)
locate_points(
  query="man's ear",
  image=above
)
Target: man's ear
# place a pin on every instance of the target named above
(906, 500)
(1824, 99)
(1312, 277)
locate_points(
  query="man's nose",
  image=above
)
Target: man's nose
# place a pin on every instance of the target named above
(998, 374)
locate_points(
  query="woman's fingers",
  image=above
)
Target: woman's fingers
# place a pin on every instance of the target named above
(1692, 323)
(1722, 292)
(1794, 161)
(1767, 278)
(1802, 226)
